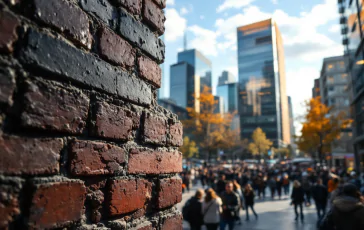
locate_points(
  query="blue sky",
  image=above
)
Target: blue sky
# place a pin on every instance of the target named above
(310, 31)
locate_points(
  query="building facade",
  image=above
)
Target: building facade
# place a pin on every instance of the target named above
(262, 82)
(316, 88)
(291, 121)
(226, 78)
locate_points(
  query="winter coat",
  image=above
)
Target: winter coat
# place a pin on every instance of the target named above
(298, 195)
(249, 198)
(195, 216)
(211, 211)
(346, 214)
(320, 194)
(232, 203)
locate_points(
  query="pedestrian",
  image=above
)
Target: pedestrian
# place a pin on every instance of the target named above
(272, 184)
(347, 211)
(220, 185)
(320, 196)
(237, 190)
(279, 183)
(298, 197)
(249, 196)
(192, 211)
(306, 185)
(230, 206)
(286, 185)
(211, 209)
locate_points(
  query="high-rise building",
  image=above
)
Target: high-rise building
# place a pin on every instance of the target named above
(316, 88)
(225, 78)
(262, 82)
(291, 120)
(220, 105)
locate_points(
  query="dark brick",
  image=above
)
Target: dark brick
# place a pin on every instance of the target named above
(161, 3)
(150, 71)
(102, 10)
(172, 223)
(128, 195)
(9, 202)
(8, 25)
(96, 199)
(57, 204)
(114, 122)
(7, 85)
(95, 158)
(115, 49)
(141, 36)
(154, 162)
(154, 16)
(69, 19)
(154, 129)
(176, 134)
(30, 156)
(169, 192)
(55, 108)
(57, 57)
(133, 6)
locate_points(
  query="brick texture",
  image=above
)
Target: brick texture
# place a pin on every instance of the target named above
(8, 25)
(29, 156)
(9, 206)
(150, 71)
(161, 3)
(169, 192)
(154, 16)
(7, 85)
(172, 223)
(128, 195)
(176, 134)
(154, 162)
(96, 158)
(57, 204)
(69, 19)
(155, 129)
(133, 6)
(56, 108)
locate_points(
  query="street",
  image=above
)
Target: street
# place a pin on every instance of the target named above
(273, 215)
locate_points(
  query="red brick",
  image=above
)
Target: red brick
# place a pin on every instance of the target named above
(29, 156)
(128, 195)
(155, 129)
(95, 158)
(114, 122)
(154, 162)
(150, 70)
(57, 204)
(176, 134)
(7, 85)
(161, 3)
(172, 223)
(9, 206)
(8, 25)
(115, 49)
(54, 108)
(169, 192)
(133, 6)
(69, 19)
(154, 16)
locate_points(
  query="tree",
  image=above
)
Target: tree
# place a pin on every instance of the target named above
(321, 128)
(189, 148)
(260, 144)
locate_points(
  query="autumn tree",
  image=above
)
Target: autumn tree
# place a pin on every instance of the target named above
(321, 128)
(260, 144)
(189, 148)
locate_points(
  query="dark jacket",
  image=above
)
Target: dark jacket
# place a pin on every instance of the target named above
(320, 194)
(194, 212)
(298, 195)
(220, 186)
(249, 198)
(346, 214)
(232, 203)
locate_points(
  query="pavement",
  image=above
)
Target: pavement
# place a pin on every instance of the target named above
(273, 215)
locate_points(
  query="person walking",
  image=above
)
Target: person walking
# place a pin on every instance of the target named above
(306, 185)
(272, 183)
(249, 201)
(298, 197)
(286, 184)
(192, 211)
(220, 185)
(230, 206)
(279, 183)
(320, 196)
(237, 190)
(211, 209)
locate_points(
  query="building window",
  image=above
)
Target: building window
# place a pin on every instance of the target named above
(330, 79)
(344, 76)
(329, 67)
(342, 65)
(331, 88)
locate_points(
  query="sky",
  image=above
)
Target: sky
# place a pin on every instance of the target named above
(310, 31)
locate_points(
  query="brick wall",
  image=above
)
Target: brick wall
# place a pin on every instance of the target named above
(83, 143)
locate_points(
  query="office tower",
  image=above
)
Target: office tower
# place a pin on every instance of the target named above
(316, 88)
(220, 105)
(230, 94)
(225, 78)
(291, 120)
(262, 82)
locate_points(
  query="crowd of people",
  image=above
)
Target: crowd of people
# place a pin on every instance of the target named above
(227, 191)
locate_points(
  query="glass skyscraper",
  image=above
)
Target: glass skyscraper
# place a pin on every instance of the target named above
(229, 93)
(262, 82)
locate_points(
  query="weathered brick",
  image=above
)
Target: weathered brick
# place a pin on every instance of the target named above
(150, 70)
(128, 195)
(114, 122)
(154, 162)
(176, 134)
(133, 6)
(115, 49)
(172, 223)
(9, 202)
(154, 16)
(161, 3)
(154, 129)
(57, 57)
(141, 36)
(8, 25)
(53, 107)
(57, 204)
(69, 19)
(95, 158)
(95, 200)
(169, 192)
(30, 156)
(7, 85)
(144, 226)
(102, 10)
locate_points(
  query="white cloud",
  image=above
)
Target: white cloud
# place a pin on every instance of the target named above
(227, 4)
(204, 40)
(184, 11)
(170, 2)
(335, 28)
(233, 70)
(173, 32)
